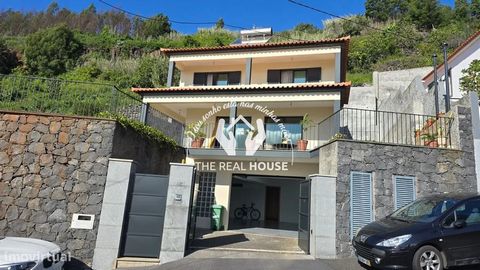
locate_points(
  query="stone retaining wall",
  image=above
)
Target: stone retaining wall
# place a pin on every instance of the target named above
(435, 170)
(50, 168)
(54, 166)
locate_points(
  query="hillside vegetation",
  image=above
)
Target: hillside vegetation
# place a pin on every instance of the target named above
(115, 48)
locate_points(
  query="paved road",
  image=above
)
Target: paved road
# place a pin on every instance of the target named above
(233, 260)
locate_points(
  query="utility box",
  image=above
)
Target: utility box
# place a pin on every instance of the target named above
(82, 221)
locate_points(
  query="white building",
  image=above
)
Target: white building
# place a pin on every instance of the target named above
(459, 60)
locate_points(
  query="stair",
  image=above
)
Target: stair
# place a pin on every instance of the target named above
(127, 262)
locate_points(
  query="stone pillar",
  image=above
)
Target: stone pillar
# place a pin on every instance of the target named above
(177, 212)
(323, 216)
(120, 173)
(476, 134)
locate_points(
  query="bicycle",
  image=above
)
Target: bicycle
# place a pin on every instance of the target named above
(244, 212)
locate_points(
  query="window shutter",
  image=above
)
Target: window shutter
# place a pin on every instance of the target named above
(199, 78)
(314, 74)
(273, 76)
(361, 203)
(404, 190)
(234, 77)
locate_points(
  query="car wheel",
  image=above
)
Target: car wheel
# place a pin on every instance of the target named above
(427, 258)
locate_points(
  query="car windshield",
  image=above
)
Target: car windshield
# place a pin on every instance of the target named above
(423, 210)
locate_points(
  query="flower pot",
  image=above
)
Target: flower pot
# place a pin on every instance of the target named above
(302, 145)
(197, 143)
(431, 144)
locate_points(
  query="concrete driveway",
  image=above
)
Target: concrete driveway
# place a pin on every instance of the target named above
(241, 260)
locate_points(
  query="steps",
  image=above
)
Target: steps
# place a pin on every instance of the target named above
(127, 262)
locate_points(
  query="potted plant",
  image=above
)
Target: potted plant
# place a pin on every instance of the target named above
(196, 134)
(306, 123)
(430, 140)
(430, 121)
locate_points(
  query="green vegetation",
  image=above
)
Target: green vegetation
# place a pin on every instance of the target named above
(471, 79)
(145, 131)
(115, 48)
(52, 51)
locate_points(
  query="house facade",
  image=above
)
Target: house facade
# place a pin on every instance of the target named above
(248, 110)
(275, 85)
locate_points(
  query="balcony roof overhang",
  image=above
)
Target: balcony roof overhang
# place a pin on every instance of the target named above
(239, 93)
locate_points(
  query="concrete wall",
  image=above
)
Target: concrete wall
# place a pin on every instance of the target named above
(151, 157)
(436, 170)
(50, 168)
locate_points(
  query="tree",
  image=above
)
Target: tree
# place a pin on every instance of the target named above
(8, 59)
(424, 13)
(382, 10)
(156, 26)
(52, 51)
(306, 28)
(471, 78)
(220, 24)
(462, 9)
(475, 9)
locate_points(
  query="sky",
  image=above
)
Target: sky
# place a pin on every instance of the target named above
(278, 14)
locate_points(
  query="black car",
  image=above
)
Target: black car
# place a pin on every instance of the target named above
(432, 233)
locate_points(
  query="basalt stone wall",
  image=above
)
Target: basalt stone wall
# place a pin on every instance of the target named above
(50, 168)
(435, 170)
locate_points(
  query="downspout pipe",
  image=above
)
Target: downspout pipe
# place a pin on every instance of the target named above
(447, 80)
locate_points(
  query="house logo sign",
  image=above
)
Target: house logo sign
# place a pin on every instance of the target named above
(256, 136)
(229, 143)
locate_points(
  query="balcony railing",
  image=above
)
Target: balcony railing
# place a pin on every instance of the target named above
(352, 124)
(388, 127)
(79, 98)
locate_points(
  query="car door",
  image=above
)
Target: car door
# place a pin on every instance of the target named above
(462, 244)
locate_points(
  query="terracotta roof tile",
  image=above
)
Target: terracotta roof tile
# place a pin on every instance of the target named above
(234, 47)
(243, 87)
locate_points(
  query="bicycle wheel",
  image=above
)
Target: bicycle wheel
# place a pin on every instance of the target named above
(255, 215)
(238, 213)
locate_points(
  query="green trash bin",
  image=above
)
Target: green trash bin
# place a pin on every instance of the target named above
(217, 214)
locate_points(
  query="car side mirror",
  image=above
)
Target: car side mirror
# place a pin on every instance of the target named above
(459, 224)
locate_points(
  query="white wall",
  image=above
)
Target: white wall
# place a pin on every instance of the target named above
(461, 62)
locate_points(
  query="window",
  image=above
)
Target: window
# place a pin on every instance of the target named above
(276, 139)
(468, 212)
(404, 189)
(217, 78)
(361, 202)
(294, 75)
(241, 131)
(423, 210)
(206, 194)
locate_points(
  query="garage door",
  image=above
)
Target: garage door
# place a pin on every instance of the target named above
(304, 217)
(142, 236)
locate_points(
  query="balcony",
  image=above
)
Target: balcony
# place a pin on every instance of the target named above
(345, 124)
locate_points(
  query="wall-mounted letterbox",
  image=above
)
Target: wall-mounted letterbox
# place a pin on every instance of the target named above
(82, 221)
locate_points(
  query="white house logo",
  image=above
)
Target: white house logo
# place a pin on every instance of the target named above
(246, 144)
(228, 142)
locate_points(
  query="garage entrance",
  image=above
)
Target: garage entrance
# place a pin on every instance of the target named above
(270, 202)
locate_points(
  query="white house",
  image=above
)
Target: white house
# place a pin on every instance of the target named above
(459, 60)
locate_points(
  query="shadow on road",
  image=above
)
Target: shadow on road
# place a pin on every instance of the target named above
(75, 264)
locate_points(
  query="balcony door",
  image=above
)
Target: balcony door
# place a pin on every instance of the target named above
(241, 131)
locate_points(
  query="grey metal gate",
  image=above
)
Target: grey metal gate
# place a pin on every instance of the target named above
(304, 217)
(144, 217)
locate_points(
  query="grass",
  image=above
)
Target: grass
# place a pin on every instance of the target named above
(360, 78)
